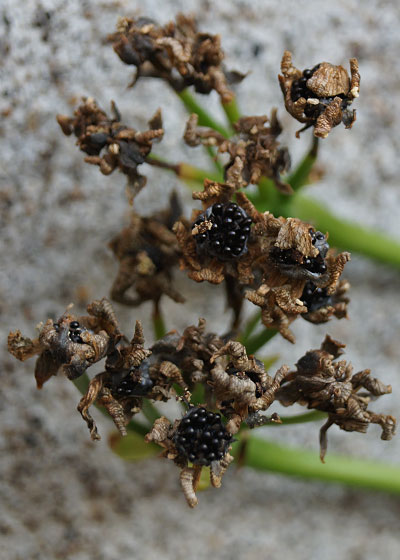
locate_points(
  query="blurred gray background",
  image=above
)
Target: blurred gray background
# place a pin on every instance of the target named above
(62, 495)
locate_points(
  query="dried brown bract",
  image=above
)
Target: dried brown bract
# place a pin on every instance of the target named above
(320, 96)
(178, 53)
(200, 439)
(241, 386)
(322, 383)
(111, 144)
(147, 251)
(72, 343)
(254, 152)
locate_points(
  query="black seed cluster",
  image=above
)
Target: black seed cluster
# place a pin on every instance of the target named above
(315, 298)
(291, 257)
(228, 236)
(201, 437)
(128, 387)
(299, 87)
(75, 332)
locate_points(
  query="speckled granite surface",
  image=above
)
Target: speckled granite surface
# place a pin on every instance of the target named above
(64, 497)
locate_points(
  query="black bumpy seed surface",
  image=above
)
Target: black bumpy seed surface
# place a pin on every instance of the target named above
(75, 332)
(228, 236)
(315, 298)
(201, 437)
(128, 387)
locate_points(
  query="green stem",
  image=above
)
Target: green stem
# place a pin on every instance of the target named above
(301, 174)
(150, 411)
(258, 340)
(250, 326)
(231, 111)
(159, 328)
(312, 416)
(205, 119)
(138, 427)
(184, 170)
(268, 456)
(346, 235)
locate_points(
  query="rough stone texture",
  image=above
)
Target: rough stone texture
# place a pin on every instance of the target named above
(62, 495)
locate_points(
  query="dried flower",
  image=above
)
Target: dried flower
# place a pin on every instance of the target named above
(178, 53)
(199, 438)
(147, 252)
(72, 343)
(241, 385)
(289, 254)
(111, 144)
(321, 383)
(320, 96)
(131, 373)
(254, 153)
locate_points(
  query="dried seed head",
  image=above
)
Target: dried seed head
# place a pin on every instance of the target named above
(320, 96)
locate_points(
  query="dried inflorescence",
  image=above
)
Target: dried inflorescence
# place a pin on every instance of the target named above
(253, 153)
(324, 384)
(320, 96)
(72, 343)
(147, 251)
(199, 438)
(109, 143)
(177, 52)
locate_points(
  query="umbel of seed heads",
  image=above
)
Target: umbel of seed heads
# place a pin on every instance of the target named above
(201, 437)
(229, 232)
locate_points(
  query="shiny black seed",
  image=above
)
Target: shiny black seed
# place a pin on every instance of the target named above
(186, 421)
(191, 456)
(307, 73)
(73, 325)
(189, 431)
(315, 298)
(206, 435)
(217, 208)
(302, 81)
(215, 441)
(211, 457)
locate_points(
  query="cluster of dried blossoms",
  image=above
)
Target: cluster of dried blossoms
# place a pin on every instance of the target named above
(282, 265)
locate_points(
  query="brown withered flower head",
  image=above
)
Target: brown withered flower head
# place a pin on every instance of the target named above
(72, 343)
(217, 241)
(242, 387)
(178, 53)
(253, 153)
(291, 254)
(320, 96)
(201, 439)
(109, 143)
(324, 384)
(131, 374)
(147, 251)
